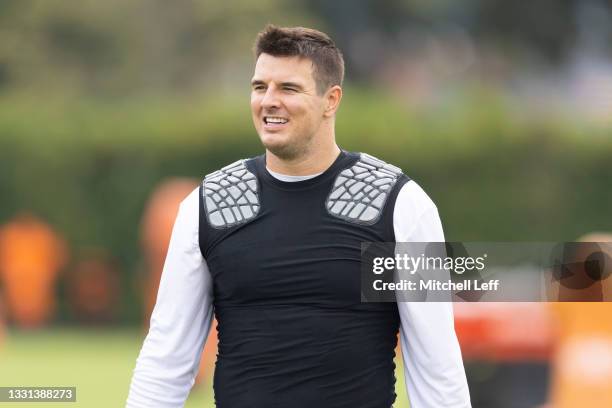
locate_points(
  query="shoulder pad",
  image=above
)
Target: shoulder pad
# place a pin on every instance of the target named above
(360, 192)
(231, 196)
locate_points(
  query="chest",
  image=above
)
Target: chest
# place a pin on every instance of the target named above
(292, 252)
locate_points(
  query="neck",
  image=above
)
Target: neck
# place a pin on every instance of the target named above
(315, 161)
(318, 157)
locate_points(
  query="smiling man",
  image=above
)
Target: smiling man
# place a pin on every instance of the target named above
(272, 245)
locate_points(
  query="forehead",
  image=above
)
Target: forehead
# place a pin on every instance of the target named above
(283, 69)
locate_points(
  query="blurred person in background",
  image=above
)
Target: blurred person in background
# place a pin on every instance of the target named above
(582, 363)
(2, 320)
(272, 244)
(506, 347)
(93, 287)
(156, 230)
(32, 255)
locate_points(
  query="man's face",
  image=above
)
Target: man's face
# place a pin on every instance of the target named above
(287, 111)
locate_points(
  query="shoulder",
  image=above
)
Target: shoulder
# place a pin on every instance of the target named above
(364, 162)
(239, 168)
(412, 198)
(370, 173)
(415, 216)
(190, 203)
(361, 191)
(230, 195)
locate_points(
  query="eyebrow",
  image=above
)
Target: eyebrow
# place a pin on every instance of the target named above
(288, 84)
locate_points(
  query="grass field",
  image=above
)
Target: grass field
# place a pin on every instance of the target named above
(97, 362)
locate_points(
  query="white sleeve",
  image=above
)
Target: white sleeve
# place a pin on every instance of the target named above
(433, 367)
(170, 356)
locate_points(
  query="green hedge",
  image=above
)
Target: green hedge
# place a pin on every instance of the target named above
(88, 167)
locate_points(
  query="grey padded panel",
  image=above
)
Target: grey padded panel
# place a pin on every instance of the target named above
(360, 192)
(231, 196)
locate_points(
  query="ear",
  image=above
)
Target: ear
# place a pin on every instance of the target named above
(332, 98)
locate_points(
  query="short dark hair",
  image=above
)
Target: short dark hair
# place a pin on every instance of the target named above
(328, 64)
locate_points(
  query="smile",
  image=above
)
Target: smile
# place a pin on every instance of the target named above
(274, 120)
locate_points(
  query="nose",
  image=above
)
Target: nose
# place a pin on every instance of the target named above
(270, 99)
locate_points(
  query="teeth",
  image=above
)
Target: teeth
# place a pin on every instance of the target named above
(273, 119)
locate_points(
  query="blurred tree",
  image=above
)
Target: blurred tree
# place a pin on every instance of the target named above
(135, 46)
(132, 46)
(544, 27)
(535, 31)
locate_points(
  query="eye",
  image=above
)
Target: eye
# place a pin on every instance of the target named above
(289, 89)
(258, 87)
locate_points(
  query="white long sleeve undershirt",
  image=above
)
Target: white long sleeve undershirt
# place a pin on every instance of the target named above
(169, 359)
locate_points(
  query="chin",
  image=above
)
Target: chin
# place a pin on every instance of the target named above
(274, 140)
(282, 150)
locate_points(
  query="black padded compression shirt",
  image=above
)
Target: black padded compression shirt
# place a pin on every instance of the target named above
(286, 280)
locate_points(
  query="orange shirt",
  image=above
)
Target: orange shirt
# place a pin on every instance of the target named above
(583, 361)
(31, 255)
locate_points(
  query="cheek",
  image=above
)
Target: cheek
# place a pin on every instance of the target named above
(298, 109)
(314, 113)
(255, 102)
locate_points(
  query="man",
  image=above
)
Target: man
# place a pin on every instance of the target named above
(276, 254)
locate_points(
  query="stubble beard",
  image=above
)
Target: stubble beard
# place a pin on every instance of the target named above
(289, 151)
